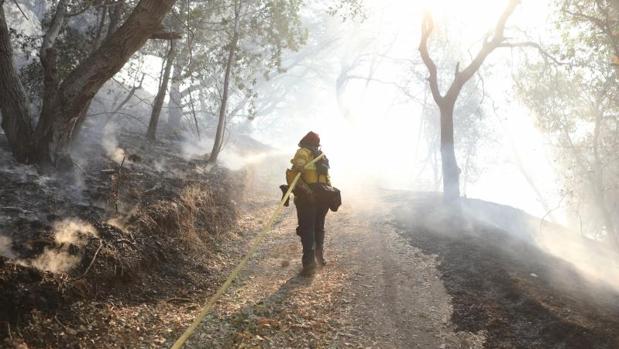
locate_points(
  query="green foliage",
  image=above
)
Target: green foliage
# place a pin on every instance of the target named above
(267, 29)
(73, 44)
(347, 9)
(31, 73)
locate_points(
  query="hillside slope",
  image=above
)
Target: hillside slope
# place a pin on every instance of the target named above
(101, 256)
(504, 283)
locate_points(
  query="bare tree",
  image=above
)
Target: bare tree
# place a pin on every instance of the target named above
(446, 103)
(65, 102)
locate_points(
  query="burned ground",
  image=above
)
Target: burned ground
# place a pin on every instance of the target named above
(502, 283)
(141, 234)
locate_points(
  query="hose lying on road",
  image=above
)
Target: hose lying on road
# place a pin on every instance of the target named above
(234, 274)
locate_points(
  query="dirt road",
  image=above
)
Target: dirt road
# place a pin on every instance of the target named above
(376, 292)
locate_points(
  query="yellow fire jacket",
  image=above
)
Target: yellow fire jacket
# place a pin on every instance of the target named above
(310, 174)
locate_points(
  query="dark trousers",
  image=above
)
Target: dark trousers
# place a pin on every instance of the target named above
(311, 228)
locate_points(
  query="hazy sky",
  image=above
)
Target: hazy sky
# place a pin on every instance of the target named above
(378, 142)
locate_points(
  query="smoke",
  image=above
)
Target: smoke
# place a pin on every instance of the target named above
(117, 222)
(231, 156)
(73, 231)
(6, 249)
(593, 259)
(55, 261)
(235, 161)
(192, 148)
(58, 259)
(159, 165)
(110, 143)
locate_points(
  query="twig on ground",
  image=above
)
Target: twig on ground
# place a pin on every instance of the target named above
(8, 328)
(92, 261)
(77, 164)
(178, 300)
(128, 242)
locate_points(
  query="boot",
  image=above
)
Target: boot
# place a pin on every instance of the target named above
(320, 256)
(308, 270)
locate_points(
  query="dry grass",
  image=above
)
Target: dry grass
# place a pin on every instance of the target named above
(193, 218)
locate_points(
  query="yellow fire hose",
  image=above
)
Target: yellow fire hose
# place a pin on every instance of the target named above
(235, 273)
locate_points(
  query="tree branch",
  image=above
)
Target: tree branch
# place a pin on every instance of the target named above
(18, 7)
(54, 29)
(427, 27)
(162, 34)
(488, 46)
(533, 45)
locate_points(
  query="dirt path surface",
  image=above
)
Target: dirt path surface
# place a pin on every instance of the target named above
(376, 292)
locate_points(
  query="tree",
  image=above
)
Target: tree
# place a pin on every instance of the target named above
(232, 46)
(151, 133)
(64, 103)
(575, 104)
(446, 102)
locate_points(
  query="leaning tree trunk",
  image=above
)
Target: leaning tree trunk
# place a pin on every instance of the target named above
(55, 130)
(65, 110)
(151, 133)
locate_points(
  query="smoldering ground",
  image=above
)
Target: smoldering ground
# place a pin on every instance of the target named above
(139, 232)
(501, 282)
(69, 236)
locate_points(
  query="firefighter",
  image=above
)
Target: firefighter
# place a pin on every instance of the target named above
(311, 207)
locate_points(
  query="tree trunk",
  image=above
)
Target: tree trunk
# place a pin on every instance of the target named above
(101, 15)
(115, 14)
(56, 127)
(16, 120)
(151, 134)
(175, 109)
(451, 172)
(219, 134)
(175, 105)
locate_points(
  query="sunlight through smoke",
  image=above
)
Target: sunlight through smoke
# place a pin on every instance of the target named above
(595, 260)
